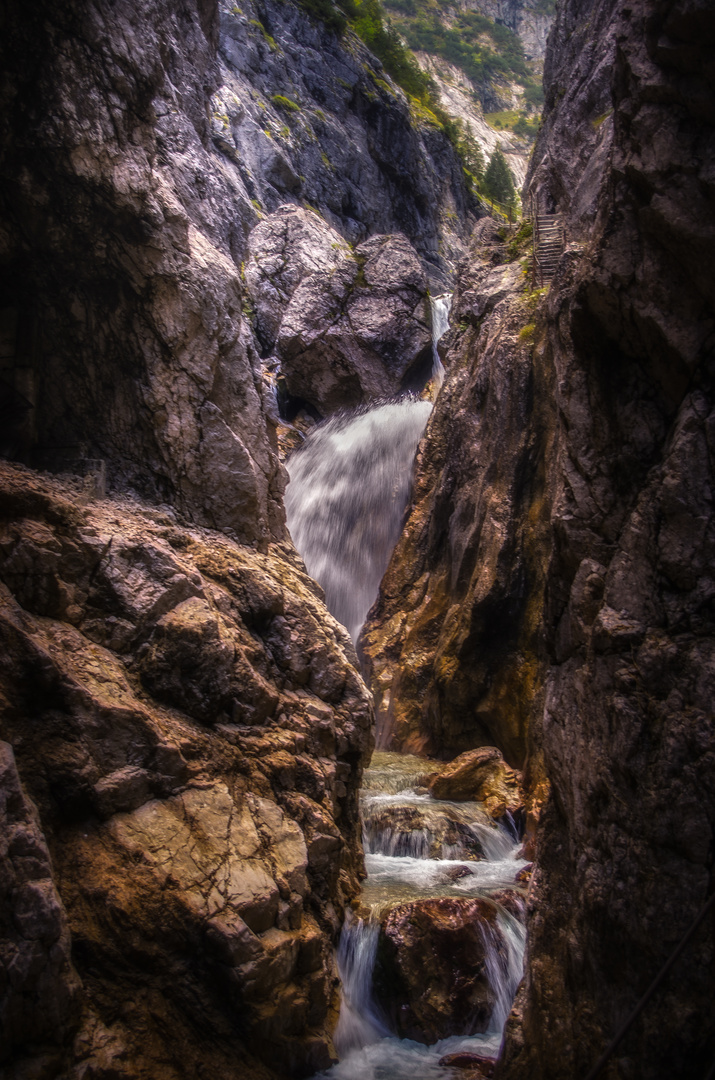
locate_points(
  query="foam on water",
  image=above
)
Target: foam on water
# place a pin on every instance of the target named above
(349, 485)
(367, 1050)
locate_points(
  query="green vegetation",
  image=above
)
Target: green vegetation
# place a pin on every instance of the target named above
(285, 103)
(513, 120)
(498, 182)
(476, 44)
(480, 47)
(270, 42)
(520, 242)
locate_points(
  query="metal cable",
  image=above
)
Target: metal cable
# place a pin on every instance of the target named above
(603, 1060)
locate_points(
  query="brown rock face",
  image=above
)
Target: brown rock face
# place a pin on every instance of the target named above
(559, 581)
(627, 724)
(39, 986)
(480, 775)
(448, 995)
(180, 833)
(451, 643)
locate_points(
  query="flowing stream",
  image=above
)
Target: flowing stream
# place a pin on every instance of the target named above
(345, 504)
(432, 859)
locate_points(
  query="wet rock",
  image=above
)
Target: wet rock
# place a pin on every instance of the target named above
(511, 899)
(451, 996)
(482, 776)
(347, 326)
(422, 831)
(480, 1066)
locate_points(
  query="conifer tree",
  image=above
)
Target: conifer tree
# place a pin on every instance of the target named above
(498, 181)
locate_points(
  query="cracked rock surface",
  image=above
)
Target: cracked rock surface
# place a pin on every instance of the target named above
(180, 830)
(347, 326)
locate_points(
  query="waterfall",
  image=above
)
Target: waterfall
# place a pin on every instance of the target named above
(349, 485)
(359, 1023)
(440, 306)
(348, 490)
(402, 828)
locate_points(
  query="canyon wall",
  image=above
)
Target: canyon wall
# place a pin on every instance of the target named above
(626, 850)
(183, 723)
(569, 620)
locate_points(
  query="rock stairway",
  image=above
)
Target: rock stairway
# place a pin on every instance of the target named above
(548, 246)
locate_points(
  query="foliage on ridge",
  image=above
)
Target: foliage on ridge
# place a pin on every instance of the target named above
(463, 45)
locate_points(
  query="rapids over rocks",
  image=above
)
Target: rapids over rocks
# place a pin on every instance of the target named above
(441, 875)
(419, 848)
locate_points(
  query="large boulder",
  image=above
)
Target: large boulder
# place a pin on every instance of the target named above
(449, 994)
(347, 326)
(481, 775)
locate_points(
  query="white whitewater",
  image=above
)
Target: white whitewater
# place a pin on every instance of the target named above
(366, 1048)
(345, 504)
(349, 486)
(440, 306)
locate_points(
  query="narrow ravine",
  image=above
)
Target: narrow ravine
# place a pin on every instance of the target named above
(429, 862)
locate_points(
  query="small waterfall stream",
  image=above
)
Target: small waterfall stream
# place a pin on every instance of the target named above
(345, 503)
(411, 865)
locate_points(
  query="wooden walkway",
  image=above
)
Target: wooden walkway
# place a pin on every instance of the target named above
(548, 244)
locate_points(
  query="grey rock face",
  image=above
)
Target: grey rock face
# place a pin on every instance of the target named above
(347, 326)
(306, 117)
(627, 723)
(125, 288)
(570, 561)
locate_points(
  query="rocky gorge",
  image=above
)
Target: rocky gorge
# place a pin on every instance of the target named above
(220, 225)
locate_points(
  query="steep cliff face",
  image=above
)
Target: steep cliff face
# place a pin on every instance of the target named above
(613, 504)
(451, 643)
(183, 726)
(626, 853)
(123, 337)
(120, 245)
(310, 118)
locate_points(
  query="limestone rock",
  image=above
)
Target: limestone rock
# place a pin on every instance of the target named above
(347, 326)
(160, 687)
(451, 996)
(482, 776)
(301, 115)
(422, 831)
(134, 349)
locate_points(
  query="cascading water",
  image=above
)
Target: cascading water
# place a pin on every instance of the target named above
(440, 306)
(391, 807)
(349, 485)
